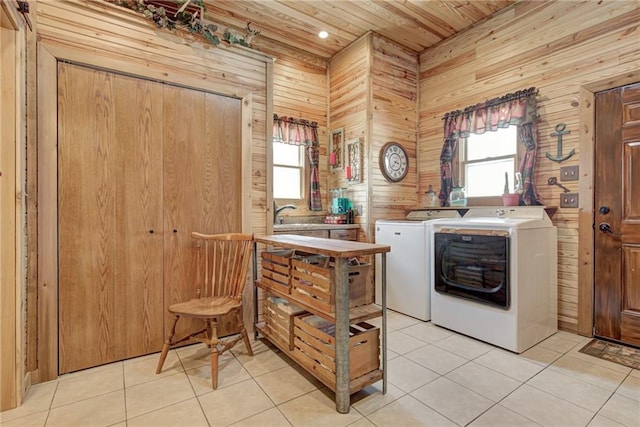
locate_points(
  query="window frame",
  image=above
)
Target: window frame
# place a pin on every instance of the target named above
(302, 167)
(459, 162)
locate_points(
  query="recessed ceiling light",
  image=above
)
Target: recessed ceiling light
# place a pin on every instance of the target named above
(323, 34)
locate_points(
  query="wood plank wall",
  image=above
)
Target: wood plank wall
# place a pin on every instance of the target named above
(349, 95)
(394, 118)
(121, 40)
(300, 91)
(373, 96)
(560, 48)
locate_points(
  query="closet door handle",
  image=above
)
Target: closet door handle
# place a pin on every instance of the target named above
(175, 230)
(151, 231)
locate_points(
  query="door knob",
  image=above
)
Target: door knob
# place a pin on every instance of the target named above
(604, 210)
(605, 227)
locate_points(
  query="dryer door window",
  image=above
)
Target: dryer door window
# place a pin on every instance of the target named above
(473, 267)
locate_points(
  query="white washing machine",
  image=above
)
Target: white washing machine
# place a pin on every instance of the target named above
(494, 276)
(408, 288)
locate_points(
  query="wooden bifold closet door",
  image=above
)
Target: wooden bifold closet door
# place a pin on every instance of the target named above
(139, 168)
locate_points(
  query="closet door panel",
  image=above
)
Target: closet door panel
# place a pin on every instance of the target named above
(86, 217)
(223, 130)
(202, 169)
(185, 180)
(110, 196)
(138, 210)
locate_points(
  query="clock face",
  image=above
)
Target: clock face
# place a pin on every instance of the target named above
(394, 163)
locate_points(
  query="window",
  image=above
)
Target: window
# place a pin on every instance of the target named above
(288, 171)
(485, 158)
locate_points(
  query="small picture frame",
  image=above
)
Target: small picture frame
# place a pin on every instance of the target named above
(336, 150)
(353, 164)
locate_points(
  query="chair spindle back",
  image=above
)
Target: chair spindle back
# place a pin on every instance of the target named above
(222, 263)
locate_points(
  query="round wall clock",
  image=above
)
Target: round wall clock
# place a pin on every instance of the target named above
(394, 162)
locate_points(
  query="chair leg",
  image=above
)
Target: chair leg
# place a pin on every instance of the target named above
(214, 367)
(212, 326)
(167, 345)
(243, 332)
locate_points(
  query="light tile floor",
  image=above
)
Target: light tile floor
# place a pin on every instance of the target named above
(436, 378)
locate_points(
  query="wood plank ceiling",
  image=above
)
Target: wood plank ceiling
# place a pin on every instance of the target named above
(415, 24)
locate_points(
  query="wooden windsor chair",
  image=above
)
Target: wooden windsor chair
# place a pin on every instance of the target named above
(222, 262)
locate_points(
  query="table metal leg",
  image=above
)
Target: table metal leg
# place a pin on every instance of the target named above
(343, 398)
(255, 290)
(384, 323)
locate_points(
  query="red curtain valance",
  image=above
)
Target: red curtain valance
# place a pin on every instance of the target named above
(518, 108)
(287, 130)
(511, 109)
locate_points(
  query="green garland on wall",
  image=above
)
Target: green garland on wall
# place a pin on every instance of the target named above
(183, 18)
(186, 18)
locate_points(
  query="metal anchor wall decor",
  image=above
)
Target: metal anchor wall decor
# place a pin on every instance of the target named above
(560, 130)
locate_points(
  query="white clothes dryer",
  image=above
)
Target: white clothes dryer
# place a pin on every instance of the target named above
(494, 276)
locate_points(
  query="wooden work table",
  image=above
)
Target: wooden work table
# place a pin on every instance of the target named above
(342, 251)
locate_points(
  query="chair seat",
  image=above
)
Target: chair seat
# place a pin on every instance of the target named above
(206, 307)
(219, 263)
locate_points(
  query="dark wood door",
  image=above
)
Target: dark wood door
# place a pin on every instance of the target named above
(617, 216)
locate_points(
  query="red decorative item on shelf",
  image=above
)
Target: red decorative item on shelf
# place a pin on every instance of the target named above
(335, 219)
(511, 199)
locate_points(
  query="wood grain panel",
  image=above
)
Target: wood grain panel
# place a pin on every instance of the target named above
(138, 210)
(185, 165)
(630, 288)
(348, 109)
(413, 24)
(394, 118)
(111, 263)
(10, 393)
(373, 96)
(31, 206)
(558, 47)
(630, 326)
(86, 215)
(631, 166)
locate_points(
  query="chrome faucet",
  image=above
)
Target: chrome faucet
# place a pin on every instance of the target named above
(277, 210)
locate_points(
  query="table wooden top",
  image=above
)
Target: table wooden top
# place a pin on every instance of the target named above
(318, 245)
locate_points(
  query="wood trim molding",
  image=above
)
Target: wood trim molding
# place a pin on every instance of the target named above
(585, 214)
(269, 151)
(12, 208)
(247, 199)
(372, 155)
(146, 71)
(47, 215)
